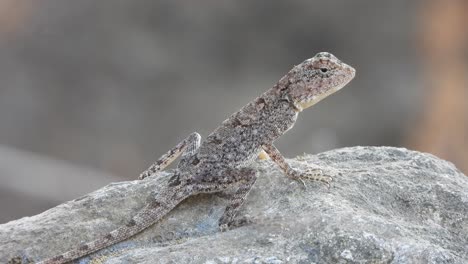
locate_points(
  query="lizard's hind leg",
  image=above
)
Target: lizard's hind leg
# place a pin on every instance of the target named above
(237, 199)
(188, 146)
(228, 219)
(243, 179)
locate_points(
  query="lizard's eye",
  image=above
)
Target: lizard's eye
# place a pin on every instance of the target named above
(323, 70)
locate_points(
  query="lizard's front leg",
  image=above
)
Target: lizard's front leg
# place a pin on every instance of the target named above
(309, 174)
(188, 146)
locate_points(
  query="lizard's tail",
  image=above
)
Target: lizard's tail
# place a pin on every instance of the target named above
(145, 218)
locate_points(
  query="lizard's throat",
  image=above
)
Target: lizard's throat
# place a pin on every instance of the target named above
(299, 106)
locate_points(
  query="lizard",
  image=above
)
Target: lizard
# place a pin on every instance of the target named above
(221, 162)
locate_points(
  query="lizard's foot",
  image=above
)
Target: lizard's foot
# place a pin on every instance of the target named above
(15, 260)
(310, 174)
(19, 260)
(235, 223)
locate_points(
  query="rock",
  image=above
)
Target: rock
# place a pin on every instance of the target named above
(386, 205)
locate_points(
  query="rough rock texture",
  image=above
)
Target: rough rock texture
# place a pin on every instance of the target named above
(386, 205)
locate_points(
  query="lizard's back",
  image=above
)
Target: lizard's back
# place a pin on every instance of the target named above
(238, 140)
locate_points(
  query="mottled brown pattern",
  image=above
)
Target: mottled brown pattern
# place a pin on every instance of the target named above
(222, 161)
(83, 248)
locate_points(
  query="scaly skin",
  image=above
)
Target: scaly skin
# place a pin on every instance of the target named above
(222, 161)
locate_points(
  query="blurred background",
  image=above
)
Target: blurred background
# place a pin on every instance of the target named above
(93, 92)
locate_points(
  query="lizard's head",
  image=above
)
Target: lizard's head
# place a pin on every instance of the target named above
(317, 78)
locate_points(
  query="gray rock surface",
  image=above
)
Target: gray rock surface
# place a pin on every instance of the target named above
(386, 205)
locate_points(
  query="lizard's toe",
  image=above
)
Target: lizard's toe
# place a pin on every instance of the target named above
(235, 223)
(317, 175)
(313, 175)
